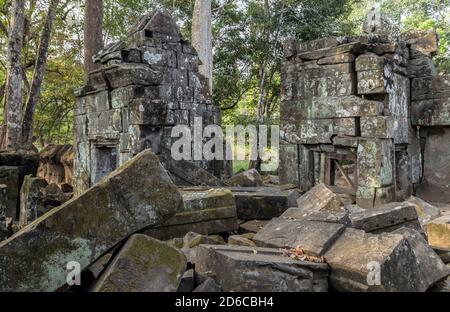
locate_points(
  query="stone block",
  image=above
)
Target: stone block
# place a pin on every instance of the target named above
(425, 211)
(353, 47)
(374, 81)
(159, 57)
(430, 267)
(97, 102)
(250, 269)
(261, 202)
(426, 88)
(144, 264)
(369, 62)
(362, 261)
(206, 212)
(134, 196)
(320, 197)
(337, 59)
(147, 112)
(382, 127)
(438, 232)
(237, 240)
(314, 237)
(420, 67)
(132, 74)
(31, 205)
(375, 163)
(249, 177)
(383, 216)
(431, 112)
(288, 168)
(321, 43)
(316, 131)
(369, 197)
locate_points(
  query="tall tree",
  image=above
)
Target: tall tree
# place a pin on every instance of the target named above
(93, 32)
(201, 37)
(13, 95)
(38, 74)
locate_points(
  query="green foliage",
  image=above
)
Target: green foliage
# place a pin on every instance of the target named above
(247, 36)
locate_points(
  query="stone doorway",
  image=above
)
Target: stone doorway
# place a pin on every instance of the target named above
(104, 161)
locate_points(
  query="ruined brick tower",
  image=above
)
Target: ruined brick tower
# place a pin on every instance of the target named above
(366, 114)
(145, 85)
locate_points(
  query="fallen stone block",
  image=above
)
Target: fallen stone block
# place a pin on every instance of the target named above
(144, 264)
(185, 173)
(263, 202)
(370, 197)
(237, 240)
(314, 237)
(383, 217)
(206, 211)
(187, 281)
(208, 285)
(431, 268)
(253, 226)
(425, 211)
(320, 197)
(247, 178)
(251, 269)
(362, 261)
(136, 195)
(438, 232)
(192, 239)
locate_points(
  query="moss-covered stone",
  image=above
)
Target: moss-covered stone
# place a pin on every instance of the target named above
(136, 195)
(144, 264)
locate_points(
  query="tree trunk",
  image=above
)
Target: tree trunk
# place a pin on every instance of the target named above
(38, 74)
(201, 37)
(13, 96)
(93, 35)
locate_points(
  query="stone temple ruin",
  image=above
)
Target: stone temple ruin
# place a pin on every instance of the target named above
(367, 114)
(144, 86)
(364, 123)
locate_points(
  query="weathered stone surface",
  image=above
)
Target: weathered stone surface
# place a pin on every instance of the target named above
(3, 228)
(314, 237)
(186, 173)
(374, 162)
(56, 163)
(425, 211)
(31, 204)
(209, 285)
(424, 88)
(320, 197)
(337, 59)
(262, 202)
(237, 268)
(136, 195)
(321, 43)
(316, 131)
(187, 281)
(369, 197)
(434, 112)
(9, 176)
(438, 232)
(352, 47)
(237, 240)
(144, 264)
(289, 165)
(192, 239)
(249, 177)
(205, 212)
(422, 42)
(435, 185)
(355, 254)
(253, 226)
(430, 267)
(420, 67)
(383, 216)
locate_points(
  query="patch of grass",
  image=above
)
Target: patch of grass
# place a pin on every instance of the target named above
(240, 164)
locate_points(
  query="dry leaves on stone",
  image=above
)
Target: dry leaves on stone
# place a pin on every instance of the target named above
(298, 253)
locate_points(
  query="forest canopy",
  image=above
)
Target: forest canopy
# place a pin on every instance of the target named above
(247, 50)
